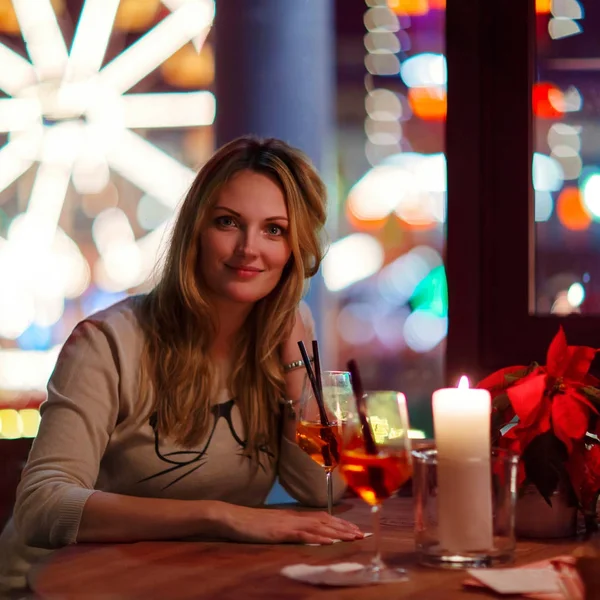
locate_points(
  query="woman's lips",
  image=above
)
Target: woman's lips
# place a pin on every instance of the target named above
(245, 272)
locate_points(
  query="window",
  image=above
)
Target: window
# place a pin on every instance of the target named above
(497, 266)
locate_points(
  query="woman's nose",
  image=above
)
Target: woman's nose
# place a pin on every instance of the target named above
(247, 244)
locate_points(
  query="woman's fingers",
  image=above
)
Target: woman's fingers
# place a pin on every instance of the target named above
(344, 527)
(312, 538)
(278, 527)
(338, 534)
(333, 528)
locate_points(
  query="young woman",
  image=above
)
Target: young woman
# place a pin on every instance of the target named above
(169, 415)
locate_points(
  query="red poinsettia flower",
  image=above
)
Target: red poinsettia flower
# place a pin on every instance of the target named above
(546, 414)
(551, 396)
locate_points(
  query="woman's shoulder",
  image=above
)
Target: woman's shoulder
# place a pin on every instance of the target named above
(119, 321)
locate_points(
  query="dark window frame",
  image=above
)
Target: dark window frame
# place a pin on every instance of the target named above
(490, 226)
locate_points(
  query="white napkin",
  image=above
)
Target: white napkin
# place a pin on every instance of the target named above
(339, 574)
(518, 581)
(347, 574)
(365, 535)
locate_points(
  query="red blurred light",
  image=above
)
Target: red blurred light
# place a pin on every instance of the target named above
(548, 101)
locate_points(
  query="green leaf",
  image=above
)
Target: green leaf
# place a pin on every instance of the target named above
(501, 402)
(591, 393)
(544, 460)
(514, 377)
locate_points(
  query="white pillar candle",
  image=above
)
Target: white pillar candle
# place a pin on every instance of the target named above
(461, 421)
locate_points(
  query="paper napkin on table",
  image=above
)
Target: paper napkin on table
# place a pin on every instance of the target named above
(541, 580)
(338, 574)
(365, 535)
(518, 581)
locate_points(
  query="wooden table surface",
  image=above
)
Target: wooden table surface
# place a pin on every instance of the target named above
(180, 570)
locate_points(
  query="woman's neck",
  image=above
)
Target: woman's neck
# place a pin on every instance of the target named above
(230, 320)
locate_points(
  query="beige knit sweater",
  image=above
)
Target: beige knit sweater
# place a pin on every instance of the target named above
(95, 434)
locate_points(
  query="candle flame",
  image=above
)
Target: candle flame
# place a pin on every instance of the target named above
(463, 384)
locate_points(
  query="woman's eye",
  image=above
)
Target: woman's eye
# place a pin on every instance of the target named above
(275, 230)
(224, 221)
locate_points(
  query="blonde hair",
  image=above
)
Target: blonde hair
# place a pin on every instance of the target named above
(179, 323)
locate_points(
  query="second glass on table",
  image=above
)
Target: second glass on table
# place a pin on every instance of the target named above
(323, 443)
(375, 476)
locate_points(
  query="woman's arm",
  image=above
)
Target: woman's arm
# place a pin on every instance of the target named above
(78, 419)
(300, 476)
(56, 502)
(117, 518)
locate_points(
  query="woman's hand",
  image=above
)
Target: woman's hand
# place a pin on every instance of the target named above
(273, 526)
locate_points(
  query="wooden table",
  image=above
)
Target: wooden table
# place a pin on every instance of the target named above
(180, 570)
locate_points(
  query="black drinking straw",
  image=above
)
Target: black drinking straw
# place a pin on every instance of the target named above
(375, 473)
(359, 393)
(313, 382)
(318, 372)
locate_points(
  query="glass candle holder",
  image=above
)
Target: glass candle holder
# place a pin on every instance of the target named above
(456, 526)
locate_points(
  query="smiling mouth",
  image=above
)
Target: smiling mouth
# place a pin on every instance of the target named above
(247, 270)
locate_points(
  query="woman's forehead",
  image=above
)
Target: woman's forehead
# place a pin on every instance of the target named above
(252, 193)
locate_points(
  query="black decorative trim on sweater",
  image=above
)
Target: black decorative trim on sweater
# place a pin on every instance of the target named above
(197, 458)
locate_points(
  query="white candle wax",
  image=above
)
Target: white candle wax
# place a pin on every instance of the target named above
(461, 420)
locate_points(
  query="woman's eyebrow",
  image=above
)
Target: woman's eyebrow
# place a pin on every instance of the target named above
(237, 214)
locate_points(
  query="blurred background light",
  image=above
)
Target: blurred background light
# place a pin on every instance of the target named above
(377, 193)
(567, 9)
(576, 294)
(547, 173)
(383, 105)
(425, 70)
(416, 8)
(571, 211)
(355, 323)
(543, 6)
(423, 330)
(380, 18)
(548, 100)
(569, 160)
(591, 193)
(351, 259)
(75, 178)
(559, 28)
(561, 134)
(428, 103)
(544, 205)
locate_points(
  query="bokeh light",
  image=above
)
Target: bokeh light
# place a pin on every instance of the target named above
(548, 101)
(571, 211)
(351, 259)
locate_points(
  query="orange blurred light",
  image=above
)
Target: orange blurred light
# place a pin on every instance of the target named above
(428, 103)
(364, 224)
(571, 211)
(548, 101)
(188, 69)
(136, 15)
(414, 8)
(437, 4)
(543, 6)
(8, 18)
(415, 222)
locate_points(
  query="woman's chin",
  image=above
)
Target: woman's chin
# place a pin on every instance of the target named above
(244, 296)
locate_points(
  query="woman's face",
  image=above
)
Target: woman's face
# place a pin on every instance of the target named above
(244, 245)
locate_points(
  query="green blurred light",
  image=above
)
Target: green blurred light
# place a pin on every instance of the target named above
(432, 293)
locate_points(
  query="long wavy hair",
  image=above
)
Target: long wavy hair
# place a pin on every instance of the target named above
(179, 323)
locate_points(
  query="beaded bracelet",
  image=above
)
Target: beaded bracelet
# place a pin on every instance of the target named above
(295, 364)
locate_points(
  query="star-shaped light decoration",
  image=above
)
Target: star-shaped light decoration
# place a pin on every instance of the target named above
(72, 116)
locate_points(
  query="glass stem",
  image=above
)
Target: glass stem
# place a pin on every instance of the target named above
(376, 562)
(329, 491)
